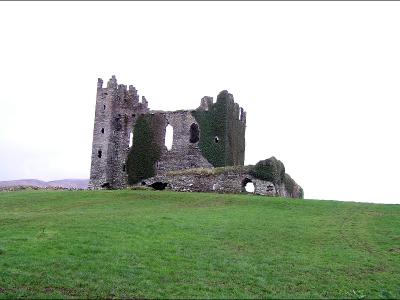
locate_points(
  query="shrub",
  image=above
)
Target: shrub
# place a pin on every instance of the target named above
(270, 169)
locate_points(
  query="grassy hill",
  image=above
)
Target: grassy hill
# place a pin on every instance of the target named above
(145, 244)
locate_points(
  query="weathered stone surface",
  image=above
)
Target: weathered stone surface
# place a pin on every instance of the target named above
(183, 154)
(212, 135)
(206, 103)
(116, 110)
(228, 182)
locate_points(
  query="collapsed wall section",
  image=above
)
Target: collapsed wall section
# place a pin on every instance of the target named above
(185, 152)
(212, 135)
(149, 155)
(226, 180)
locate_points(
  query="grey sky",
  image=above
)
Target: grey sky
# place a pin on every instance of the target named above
(319, 81)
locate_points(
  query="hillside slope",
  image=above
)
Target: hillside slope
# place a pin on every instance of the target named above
(150, 244)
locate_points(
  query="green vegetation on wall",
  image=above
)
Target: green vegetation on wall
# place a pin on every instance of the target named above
(273, 170)
(270, 169)
(146, 147)
(221, 121)
(289, 184)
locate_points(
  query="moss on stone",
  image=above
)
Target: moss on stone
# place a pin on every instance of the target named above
(270, 169)
(289, 184)
(146, 147)
(211, 171)
(222, 134)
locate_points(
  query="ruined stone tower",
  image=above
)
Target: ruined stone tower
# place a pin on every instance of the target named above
(213, 135)
(116, 110)
(129, 147)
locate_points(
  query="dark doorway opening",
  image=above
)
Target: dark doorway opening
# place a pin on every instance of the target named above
(106, 185)
(159, 185)
(194, 133)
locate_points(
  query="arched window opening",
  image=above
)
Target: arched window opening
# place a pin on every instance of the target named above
(216, 139)
(102, 130)
(99, 153)
(104, 107)
(123, 167)
(169, 137)
(130, 139)
(248, 185)
(194, 133)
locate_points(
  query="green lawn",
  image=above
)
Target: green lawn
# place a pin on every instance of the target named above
(152, 244)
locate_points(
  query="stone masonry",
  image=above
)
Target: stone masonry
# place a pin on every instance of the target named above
(210, 136)
(183, 154)
(229, 181)
(116, 110)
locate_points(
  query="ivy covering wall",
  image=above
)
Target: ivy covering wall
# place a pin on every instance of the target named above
(270, 169)
(146, 147)
(222, 134)
(273, 170)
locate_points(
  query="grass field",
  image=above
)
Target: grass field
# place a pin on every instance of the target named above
(145, 244)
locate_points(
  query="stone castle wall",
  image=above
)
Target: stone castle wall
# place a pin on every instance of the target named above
(226, 182)
(213, 135)
(184, 154)
(116, 110)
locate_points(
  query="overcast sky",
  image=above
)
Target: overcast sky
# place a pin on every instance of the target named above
(319, 80)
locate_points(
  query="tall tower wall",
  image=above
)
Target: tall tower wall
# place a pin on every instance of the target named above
(116, 110)
(222, 130)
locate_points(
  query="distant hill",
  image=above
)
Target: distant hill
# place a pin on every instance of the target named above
(63, 183)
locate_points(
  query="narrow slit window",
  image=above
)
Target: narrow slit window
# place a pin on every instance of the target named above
(130, 139)
(99, 153)
(169, 137)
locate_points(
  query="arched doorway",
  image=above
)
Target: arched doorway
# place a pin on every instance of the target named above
(248, 186)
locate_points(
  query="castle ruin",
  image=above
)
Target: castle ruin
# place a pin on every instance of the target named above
(207, 151)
